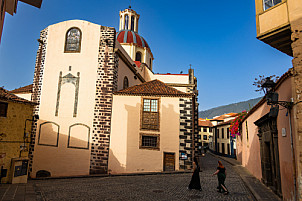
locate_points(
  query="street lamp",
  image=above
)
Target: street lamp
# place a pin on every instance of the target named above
(272, 98)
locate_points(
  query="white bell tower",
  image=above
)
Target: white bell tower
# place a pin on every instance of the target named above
(129, 20)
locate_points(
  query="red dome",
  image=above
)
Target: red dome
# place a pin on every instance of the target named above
(128, 36)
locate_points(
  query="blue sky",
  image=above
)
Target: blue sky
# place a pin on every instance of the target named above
(217, 37)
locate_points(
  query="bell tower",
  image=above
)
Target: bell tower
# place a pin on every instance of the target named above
(129, 20)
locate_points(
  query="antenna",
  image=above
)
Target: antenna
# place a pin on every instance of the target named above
(190, 66)
(130, 4)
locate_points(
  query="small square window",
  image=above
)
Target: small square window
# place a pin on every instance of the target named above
(3, 109)
(204, 129)
(149, 141)
(205, 137)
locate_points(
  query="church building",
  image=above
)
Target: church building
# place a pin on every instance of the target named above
(102, 108)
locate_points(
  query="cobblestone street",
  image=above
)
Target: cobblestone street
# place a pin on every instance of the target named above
(145, 187)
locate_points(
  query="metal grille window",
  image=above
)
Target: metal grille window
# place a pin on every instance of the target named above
(149, 141)
(270, 3)
(205, 137)
(3, 109)
(150, 114)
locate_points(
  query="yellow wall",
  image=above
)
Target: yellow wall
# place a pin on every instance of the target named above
(125, 155)
(12, 127)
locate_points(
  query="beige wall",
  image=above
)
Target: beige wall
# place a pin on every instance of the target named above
(249, 149)
(61, 161)
(124, 70)
(26, 96)
(125, 155)
(179, 79)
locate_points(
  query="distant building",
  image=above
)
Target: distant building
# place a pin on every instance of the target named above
(10, 6)
(15, 127)
(222, 141)
(205, 132)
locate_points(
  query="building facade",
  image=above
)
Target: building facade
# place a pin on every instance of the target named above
(223, 143)
(15, 127)
(279, 24)
(264, 146)
(205, 132)
(79, 67)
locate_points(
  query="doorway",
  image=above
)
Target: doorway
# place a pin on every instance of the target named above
(169, 161)
(269, 152)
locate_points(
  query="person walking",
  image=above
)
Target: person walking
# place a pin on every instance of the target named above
(221, 175)
(195, 180)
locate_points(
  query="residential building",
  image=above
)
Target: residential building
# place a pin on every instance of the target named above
(15, 126)
(24, 92)
(10, 6)
(279, 24)
(87, 81)
(223, 143)
(205, 132)
(264, 146)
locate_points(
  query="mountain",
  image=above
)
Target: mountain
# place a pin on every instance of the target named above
(234, 107)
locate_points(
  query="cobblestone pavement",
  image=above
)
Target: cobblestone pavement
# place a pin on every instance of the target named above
(145, 187)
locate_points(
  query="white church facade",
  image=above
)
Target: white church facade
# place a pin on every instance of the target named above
(101, 107)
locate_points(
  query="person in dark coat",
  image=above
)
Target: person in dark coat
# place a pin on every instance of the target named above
(221, 175)
(195, 180)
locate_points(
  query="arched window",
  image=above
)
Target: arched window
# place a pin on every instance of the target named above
(126, 83)
(132, 23)
(138, 56)
(126, 22)
(73, 40)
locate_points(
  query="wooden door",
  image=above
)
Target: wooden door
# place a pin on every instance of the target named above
(169, 161)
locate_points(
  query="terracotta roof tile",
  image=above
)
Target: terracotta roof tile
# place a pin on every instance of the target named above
(8, 96)
(205, 123)
(26, 89)
(154, 87)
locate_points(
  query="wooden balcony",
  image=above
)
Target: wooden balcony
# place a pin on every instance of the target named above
(273, 26)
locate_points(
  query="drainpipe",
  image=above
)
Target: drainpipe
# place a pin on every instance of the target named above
(293, 153)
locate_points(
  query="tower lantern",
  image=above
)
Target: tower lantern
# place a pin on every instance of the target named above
(129, 20)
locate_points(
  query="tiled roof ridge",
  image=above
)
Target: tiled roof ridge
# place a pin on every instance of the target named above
(27, 88)
(8, 96)
(158, 88)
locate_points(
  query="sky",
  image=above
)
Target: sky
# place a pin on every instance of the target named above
(218, 38)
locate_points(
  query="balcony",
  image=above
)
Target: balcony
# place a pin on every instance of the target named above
(273, 25)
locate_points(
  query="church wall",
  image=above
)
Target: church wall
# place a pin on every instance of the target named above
(126, 156)
(65, 152)
(123, 70)
(170, 78)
